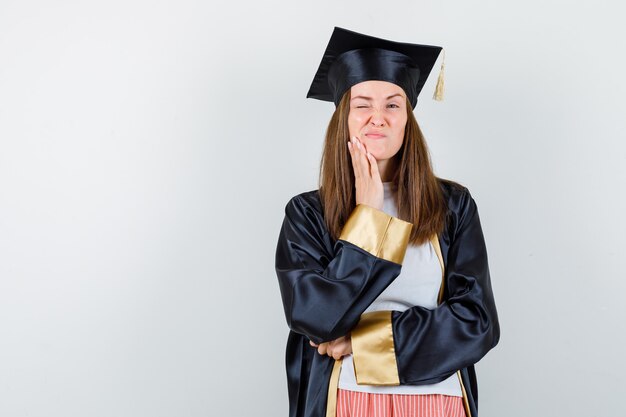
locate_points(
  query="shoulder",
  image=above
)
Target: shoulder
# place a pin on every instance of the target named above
(308, 200)
(306, 207)
(304, 217)
(461, 204)
(455, 194)
(462, 208)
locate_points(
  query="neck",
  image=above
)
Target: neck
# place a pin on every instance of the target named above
(387, 167)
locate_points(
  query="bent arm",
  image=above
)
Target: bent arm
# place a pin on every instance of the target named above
(425, 346)
(325, 293)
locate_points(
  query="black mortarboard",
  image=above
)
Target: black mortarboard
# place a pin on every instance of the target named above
(352, 57)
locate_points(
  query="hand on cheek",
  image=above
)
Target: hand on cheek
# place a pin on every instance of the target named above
(367, 180)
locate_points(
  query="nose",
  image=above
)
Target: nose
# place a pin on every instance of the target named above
(377, 118)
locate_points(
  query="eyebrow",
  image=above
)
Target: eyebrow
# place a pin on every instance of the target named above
(369, 98)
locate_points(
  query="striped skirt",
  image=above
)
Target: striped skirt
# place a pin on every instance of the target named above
(365, 404)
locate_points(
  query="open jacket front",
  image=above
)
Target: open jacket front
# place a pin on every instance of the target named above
(327, 284)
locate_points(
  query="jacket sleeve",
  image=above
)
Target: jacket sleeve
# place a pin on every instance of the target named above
(325, 293)
(424, 346)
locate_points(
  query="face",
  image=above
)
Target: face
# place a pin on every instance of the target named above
(378, 115)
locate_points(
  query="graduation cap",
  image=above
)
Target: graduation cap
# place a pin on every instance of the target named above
(352, 57)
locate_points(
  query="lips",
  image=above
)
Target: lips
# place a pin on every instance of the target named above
(375, 135)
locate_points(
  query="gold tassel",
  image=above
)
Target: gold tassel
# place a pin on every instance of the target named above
(438, 94)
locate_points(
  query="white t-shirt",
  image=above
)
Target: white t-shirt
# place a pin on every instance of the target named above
(418, 284)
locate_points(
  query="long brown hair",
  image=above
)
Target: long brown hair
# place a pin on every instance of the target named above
(419, 197)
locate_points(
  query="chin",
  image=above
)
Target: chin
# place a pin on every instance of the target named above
(381, 156)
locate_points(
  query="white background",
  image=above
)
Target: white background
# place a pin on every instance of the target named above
(148, 148)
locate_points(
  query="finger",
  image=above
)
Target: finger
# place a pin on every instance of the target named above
(338, 349)
(356, 167)
(330, 351)
(351, 147)
(312, 344)
(363, 161)
(340, 346)
(373, 166)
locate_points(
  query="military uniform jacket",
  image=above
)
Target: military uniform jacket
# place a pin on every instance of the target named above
(327, 284)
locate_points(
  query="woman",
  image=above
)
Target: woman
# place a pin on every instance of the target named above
(383, 271)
